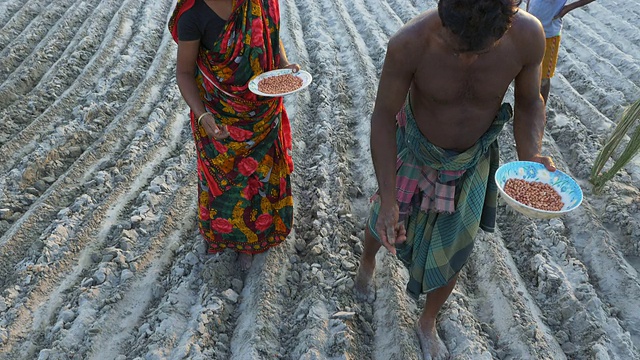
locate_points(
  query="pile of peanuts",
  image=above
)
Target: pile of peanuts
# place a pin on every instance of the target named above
(535, 194)
(279, 84)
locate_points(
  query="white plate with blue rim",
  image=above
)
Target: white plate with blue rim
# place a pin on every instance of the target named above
(304, 75)
(563, 184)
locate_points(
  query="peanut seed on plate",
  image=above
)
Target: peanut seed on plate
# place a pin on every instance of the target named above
(279, 84)
(534, 193)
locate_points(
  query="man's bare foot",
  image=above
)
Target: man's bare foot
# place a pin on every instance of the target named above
(432, 346)
(363, 284)
(245, 261)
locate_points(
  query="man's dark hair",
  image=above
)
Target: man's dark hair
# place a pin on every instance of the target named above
(477, 23)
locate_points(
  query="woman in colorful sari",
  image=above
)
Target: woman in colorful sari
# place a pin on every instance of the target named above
(243, 141)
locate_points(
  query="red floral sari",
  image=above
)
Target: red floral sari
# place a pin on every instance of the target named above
(244, 188)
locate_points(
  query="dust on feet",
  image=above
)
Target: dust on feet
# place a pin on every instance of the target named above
(245, 261)
(433, 348)
(363, 285)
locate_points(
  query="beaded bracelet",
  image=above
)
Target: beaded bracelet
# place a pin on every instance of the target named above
(201, 116)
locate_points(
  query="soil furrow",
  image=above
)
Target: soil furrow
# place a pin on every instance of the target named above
(590, 242)
(42, 46)
(62, 74)
(619, 12)
(23, 142)
(335, 334)
(405, 10)
(365, 23)
(384, 17)
(120, 129)
(394, 312)
(77, 135)
(13, 26)
(578, 315)
(102, 258)
(176, 229)
(8, 9)
(57, 252)
(598, 25)
(610, 99)
(616, 202)
(572, 108)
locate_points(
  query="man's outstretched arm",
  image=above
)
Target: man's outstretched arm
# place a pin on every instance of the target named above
(529, 117)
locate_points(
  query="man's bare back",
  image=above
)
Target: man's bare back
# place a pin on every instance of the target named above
(455, 96)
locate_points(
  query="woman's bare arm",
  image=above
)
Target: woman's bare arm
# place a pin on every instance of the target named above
(185, 76)
(284, 62)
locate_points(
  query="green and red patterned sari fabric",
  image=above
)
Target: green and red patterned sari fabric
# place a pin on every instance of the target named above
(244, 188)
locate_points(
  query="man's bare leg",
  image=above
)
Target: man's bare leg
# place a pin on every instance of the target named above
(245, 261)
(363, 286)
(545, 87)
(432, 346)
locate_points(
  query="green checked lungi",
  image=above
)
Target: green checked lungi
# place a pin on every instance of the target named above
(444, 197)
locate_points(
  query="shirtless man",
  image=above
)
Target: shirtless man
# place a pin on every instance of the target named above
(434, 127)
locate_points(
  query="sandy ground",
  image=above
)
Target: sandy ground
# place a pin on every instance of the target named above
(100, 254)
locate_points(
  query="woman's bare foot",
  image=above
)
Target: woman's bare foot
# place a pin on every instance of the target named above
(245, 261)
(432, 346)
(363, 284)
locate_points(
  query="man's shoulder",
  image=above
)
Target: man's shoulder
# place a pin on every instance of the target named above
(525, 26)
(527, 36)
(418, 29)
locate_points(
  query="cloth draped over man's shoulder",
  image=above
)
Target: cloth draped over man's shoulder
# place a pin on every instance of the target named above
(246, 202)
(444, 197)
